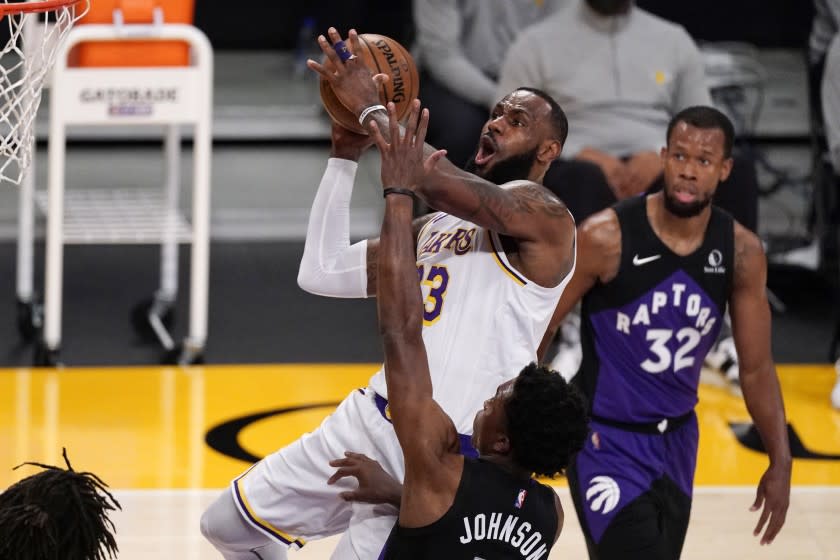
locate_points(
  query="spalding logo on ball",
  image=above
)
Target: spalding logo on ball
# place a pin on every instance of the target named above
(382, 55)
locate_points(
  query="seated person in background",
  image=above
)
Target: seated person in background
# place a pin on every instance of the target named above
(460, 45)
(620, 73)
(57, 513)
(534, 423)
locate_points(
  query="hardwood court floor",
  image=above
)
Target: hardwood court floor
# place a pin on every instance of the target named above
(143, 431)
(163, 524)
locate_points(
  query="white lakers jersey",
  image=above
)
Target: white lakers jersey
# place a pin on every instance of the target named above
(483, 320)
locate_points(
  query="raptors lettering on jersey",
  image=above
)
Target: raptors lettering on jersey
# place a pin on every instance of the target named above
(530, 543)
(691, 305)
(671, 321)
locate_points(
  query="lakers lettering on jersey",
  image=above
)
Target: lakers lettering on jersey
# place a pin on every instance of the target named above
(459, 242)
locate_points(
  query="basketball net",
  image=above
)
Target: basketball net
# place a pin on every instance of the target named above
(36, 29)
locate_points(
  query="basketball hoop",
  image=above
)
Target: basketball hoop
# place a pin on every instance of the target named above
(25, 61)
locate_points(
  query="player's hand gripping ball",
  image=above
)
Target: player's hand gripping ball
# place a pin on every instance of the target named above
(382, 55)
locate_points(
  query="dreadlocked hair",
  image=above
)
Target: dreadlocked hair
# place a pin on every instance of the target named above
(57, 514)
(547, 421)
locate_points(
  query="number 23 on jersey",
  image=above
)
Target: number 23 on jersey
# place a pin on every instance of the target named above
(435, 279)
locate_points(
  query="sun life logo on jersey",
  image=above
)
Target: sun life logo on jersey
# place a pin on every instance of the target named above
(715, 261)
(603, 494)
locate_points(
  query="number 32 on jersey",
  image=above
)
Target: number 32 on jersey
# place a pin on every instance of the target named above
(688, 340)
(435, 279)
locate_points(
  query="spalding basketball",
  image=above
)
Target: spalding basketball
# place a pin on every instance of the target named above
(382, 55)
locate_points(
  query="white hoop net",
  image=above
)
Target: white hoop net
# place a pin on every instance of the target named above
(25, 61)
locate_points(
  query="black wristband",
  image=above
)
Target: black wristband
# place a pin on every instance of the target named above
(397, 190)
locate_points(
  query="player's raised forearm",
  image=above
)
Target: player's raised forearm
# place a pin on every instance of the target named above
(399, 303)
(330, 266)
(468, 196)
(398, 285)
(527, 211)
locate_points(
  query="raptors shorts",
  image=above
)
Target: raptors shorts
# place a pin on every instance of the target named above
(632, 491)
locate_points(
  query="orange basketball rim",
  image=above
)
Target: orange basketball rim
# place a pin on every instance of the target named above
(24, 71)
(36, 7)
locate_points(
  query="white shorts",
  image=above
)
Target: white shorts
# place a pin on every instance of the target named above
(286, 495)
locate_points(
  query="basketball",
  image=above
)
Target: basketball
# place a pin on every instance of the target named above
(382, 55)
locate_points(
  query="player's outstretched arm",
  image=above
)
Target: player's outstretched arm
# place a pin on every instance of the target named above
(598, 258)
(400, 307)
(400, 311)
(750, 314)
(427, 435)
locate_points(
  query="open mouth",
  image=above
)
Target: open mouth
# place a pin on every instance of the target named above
(685, 194)
(487, 148)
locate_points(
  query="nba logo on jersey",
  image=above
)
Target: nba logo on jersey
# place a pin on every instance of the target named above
(520, 499)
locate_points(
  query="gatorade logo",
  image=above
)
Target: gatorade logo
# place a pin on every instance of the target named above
(603, 494)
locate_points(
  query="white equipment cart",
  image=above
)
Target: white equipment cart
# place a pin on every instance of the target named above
(163, 97)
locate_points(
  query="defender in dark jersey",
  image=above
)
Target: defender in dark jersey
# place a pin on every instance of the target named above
(656, 274)
(454, 507)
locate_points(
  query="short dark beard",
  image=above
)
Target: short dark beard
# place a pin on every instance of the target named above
(683, 210)
(513, 168)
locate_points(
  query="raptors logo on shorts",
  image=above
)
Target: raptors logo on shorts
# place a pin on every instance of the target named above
(603, 494)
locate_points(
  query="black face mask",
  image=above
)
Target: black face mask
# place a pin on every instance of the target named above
(610, 7)
(509, 169)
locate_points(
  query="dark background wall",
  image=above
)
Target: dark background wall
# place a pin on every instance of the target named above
(273, 24)
(765, 23)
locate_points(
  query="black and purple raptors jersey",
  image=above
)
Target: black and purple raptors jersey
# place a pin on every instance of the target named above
(646, 332)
